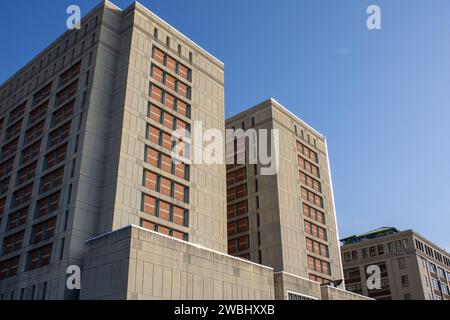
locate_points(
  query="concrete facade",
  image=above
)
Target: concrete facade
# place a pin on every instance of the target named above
(412, 268)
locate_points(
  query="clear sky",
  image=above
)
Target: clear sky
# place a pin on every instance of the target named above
(381, 97)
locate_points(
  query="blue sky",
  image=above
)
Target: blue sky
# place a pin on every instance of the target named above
(381, 97)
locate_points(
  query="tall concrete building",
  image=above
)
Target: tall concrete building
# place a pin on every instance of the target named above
(87, 176)
(286, 220)
(412, 267)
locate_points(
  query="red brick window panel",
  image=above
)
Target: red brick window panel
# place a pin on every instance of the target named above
(4, 185)
(181, 171)
(31, 152)
(166, 141)
(243, 243)
(38, 112)
(149, 205)
(165, 187)
(178, 235)
(171, 64)
(70, 74)
(308, 167)
(151, 180)
(179, 192)
(231, 211)
(10, 148)
(22, 195)
(313, 213)
(318, 265)
(170, 82)
(9, 268)
(59, 135)
(26, 173)
(18, 218)
(44, 231)
(52, 180)
(47, 204)
(2, 206)
(43, 94)
(6, 167)
(182, 108)
(148, 225)
(230, 178)
(238, 226)
(317, 248)
(312, 198)
(17, 112)
(179, 217)
(13, 130)
(169, 121)
(183, 90)
(156, 93)
(169, 101)
(184, 72)
(34, 132)
(56, 157)
(157, 74)
(307, 152)
(67, 93)
(166, 163)
(158, 55)
(13, 242)
(231, 194)
(164, 230)
(155, 113)
(315, 231)
(40, 257)
(232, 246)
(153, 135)
(241, 191)
(64, 113)
(151, 156)
(310, 182)
(164, 210)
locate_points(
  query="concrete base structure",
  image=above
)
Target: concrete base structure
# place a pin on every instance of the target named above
(137, 264)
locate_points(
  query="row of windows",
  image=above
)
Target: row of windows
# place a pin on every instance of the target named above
(171, 82)
(432, 253)
(317, 248)
(315, 231)
(314, 214)
(166, 119)
(238, 244)
(310, 182)
(165, 211)
(318, 265)
(170, 101)
(166, 186)
(164, 230)
(308, 167)
(165, 163)
(40, 232)
(173, 65)
(312, 198)
(238, 226)
(236, 176)
(237, 209)
(307, 152)
(236, 192)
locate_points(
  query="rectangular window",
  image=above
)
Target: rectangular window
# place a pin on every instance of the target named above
(55, 157)
(10, 149)
(17, 219)
(44, 231)
(66, 94)
(63, 113)
(59, 135)
(22, 196)
(52, 180)
(34, 132)
(47, 205)
(43, 94)
(39, 257)
(38, 113)
(13, 130)
(13, 242)
(17, 113)
(9, 267)
(70, 74)
(6, 168)
(31, 152)
(26, 173)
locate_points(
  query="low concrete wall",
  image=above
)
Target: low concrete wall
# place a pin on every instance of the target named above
(331, 293)
(137, 264)
(286, 282)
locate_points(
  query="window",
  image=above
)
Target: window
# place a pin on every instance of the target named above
(308, 167)
(10, 149)
(17, 113)
(55, 157)
(67, 93)
(17, 219)
(315, 230)
(380, 249)
(373, 251)
(432, 267)
(59, 135)
(26, 173)
(445, 289)
(23, 195)
(34, 132)
(313, 213)
(401, 263)
(168, 41)
(13, 130)
(43, 231)
(9, 267)
(435, 284)
(310, 182)
(13, 243)
(70, 74)
(39, 257)
(312, 198)
(155, 33)
(405, 281)
(307, 152)
(31, 152)
(365, 253)
(63, 113)
(47, 205)
(43, 94)
(347, 257)
(52, 180)
(38, 113)
(238, 226)
(441, 273)
(354, 255)
(317, 248)
(318, 265)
